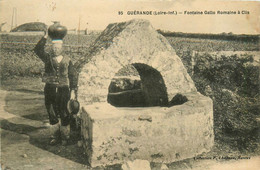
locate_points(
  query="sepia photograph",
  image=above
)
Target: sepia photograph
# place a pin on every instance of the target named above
(130, 84)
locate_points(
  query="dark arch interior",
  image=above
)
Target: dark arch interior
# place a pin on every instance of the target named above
(137, 85)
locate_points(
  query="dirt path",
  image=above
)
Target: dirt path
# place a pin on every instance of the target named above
(24, 138)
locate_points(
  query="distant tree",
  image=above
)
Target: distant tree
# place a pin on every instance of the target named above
(32, 26)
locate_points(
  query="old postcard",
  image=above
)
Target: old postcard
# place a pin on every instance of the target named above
(130, 84)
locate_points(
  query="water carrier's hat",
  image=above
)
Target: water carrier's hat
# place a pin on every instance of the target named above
(73, 106)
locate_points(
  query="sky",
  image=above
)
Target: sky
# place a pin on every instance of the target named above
(97, 14)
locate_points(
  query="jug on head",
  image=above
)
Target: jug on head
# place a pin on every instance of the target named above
(57, 31)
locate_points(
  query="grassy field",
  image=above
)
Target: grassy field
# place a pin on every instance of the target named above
(18, 59)
(181, 45)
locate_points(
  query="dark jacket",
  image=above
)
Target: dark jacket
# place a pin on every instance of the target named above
(61, 74)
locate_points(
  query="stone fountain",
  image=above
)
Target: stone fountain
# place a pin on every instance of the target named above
(156, 132)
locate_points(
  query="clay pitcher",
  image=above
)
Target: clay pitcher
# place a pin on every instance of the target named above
(57, 31)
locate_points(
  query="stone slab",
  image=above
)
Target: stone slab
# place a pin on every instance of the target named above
(159, 134)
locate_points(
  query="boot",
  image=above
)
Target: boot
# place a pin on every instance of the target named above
(55, 134)
(65, 134)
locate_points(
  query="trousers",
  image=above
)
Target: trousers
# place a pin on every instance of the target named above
(56, 99)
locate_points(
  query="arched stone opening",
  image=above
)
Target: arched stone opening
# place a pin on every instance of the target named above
(137, 85)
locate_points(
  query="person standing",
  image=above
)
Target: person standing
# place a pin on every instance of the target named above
(60, 79)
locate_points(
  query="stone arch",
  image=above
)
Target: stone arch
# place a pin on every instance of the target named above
(124, 44)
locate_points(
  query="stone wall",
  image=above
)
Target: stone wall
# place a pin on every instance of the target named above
(231, 80)
(238, 71)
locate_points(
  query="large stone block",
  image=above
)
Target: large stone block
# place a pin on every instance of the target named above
(158, 134)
